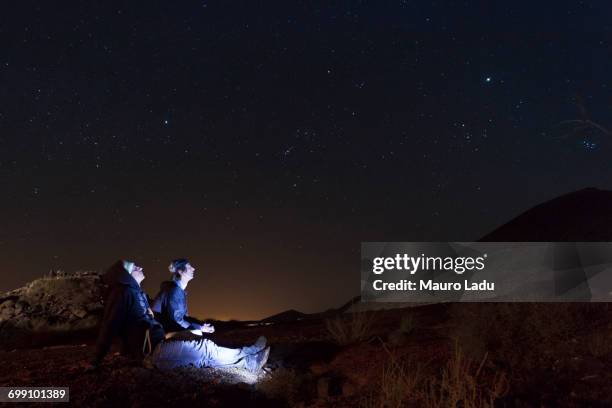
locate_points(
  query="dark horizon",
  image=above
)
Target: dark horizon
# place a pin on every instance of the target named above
(515, 226)
(266, 143)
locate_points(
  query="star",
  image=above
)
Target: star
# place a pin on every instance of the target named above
(287, 151)
(588, 145)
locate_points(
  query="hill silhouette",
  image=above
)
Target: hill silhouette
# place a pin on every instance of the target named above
(583, 215)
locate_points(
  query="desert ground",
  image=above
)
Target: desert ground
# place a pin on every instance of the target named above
(470, 355)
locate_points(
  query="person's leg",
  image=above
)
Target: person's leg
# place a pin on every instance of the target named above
(218, 356)
(256, 347)
(199, 353)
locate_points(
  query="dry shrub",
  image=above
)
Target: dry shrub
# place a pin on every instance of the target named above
(283, 384)
(400, 382)
(460, 383)
(523, 337)
(350, 329)
(535, 343)
(463, 384)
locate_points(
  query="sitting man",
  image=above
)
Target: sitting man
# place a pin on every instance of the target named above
(126, 311)
(170, 304)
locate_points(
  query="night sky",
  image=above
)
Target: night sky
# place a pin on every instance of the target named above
(265, 140)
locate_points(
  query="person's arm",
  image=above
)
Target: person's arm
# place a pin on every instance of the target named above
(142, 309)
(176, 308)
(114, 314)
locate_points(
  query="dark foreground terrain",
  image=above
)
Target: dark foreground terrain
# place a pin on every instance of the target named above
(469, 355)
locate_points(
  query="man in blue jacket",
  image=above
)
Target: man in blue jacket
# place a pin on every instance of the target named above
(170, 304)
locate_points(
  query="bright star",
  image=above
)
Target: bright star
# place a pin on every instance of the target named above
(588, 145)
(287, 151)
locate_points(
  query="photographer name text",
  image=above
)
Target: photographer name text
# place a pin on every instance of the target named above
(409, 285)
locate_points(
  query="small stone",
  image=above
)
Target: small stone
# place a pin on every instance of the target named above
(79, 312)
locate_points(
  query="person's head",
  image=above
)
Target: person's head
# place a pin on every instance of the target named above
(181, 270)
(134, 270)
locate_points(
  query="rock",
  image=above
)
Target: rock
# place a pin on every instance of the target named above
(79, 312)
(94, 306)
(51, 306)
(7, 304)
(20, 307)
(6, 313)
(319, 368)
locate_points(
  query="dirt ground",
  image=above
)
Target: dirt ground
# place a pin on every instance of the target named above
(307, 367)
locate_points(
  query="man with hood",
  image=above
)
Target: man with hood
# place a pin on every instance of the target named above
(126, 312)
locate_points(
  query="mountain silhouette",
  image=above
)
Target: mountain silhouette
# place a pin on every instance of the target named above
(583, 215)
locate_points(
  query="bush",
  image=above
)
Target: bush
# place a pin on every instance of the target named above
(460, 383)
(352, 329)
(283, 384)
(463, 384)
(526, 339)
(400, 382)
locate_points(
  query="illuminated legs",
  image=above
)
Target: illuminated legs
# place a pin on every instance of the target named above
(198, 353)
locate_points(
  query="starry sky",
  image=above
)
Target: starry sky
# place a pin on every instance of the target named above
(265, 141)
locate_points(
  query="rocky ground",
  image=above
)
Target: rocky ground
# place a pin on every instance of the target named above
(306, 367)
(469, 355)
(423, 356)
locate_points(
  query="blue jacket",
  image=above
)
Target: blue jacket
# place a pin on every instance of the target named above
(125, 313)
(170, 308)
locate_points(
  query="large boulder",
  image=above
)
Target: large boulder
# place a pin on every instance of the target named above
(60, 306)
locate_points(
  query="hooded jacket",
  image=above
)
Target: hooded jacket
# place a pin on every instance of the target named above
(170, 308)
(125, 313)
